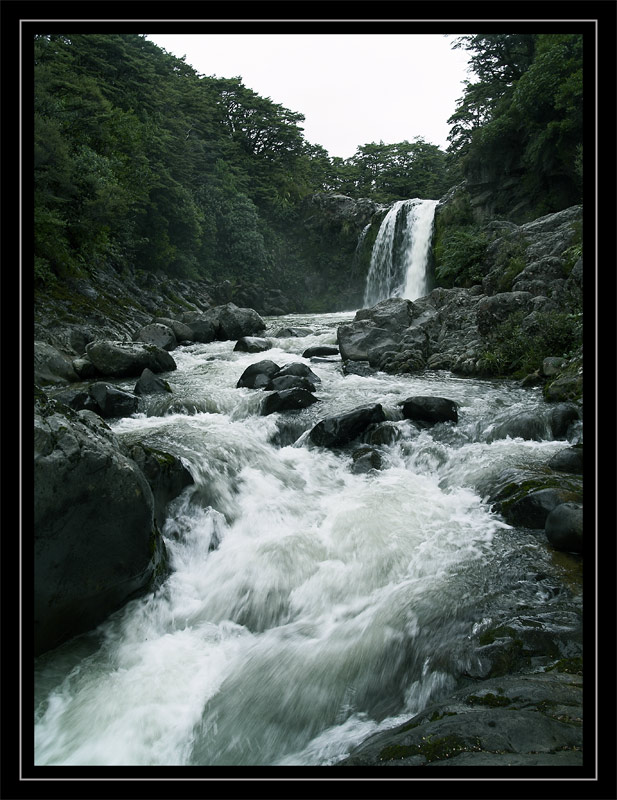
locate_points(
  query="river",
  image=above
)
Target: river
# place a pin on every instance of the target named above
(308, 605)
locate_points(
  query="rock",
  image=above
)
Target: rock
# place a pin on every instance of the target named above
(552, 366)
(235, 322)
(286, 400)
(320, 350)
(112, 402)
(51, 366)
(532, 510)
(284, 382)
(393, 314)
(84, 368)
(95, 541)
(181, 331)
(167, 476)
(366, 459)
(299, 370)
(259, 375)
(341, 429)
(429, 409)
(561, 417)
(149, 383)
(202, 328)
(362, 368)
(564, 527)
(122, 359)
(525, 425)
(494, 310)
(252, 344)
(362, 341)
(532, 718)
(286, 333)
(568, 460)
(157, 334)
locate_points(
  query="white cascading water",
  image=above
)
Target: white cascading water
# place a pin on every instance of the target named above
(308, 606)
(400, 254)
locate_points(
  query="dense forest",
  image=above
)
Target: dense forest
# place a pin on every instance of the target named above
(141, 163)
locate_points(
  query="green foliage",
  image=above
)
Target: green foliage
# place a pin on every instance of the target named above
(459, 256)
(518, 351)
(520, 123)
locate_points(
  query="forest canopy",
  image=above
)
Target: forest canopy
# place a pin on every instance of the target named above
(140, 161)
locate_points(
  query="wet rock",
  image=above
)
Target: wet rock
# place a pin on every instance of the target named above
(51, 366)
(533, 509)
(252, 344)
(112, 402)
(201, 327)
(362, 368)
(296, 333)
(149, 383)
(287, 400)
(283, 382)
(341, 429)
(362, 341)
(259, 375)
(157, 334)
(526, 425)
(568, 460)
(181, 331)
(366, 459)
(167, 476)
(564, 527)
(234, 322)
(561, 417)
(95, 541)
(526, 719)
(299, 370)
(320, 350)
(122, 359)
(429, 409)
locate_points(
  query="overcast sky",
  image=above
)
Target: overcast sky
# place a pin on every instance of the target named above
(352, 89)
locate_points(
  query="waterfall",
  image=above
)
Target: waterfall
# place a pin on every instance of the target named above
(400, 253)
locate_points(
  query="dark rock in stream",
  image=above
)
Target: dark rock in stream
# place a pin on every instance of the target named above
(429, 409)
(568, 460)
(532, 719)
(166, 475)
(149, 383)
(257, 376)
(125, 359)
(112, 402)
(564, 527)
(287, 400)
(320, 350)
(158, 334)
(96, 543)
(252, 344)
(341, 429)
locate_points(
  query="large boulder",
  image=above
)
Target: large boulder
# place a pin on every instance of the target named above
(362, 341)
(564, 527)
(287, 400)
(167, 476)
(532, 719)
(252, 344)
(96, 544)
(202, 327)
(158, 334)
(51, 366)
(429, 409)
(339, 430)
(125, 359)
(112, 402)
(235, 322)
(258, 375)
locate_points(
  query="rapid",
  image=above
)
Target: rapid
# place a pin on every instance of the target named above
(308, 606)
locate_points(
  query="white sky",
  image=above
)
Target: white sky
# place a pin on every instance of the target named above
(352, 88)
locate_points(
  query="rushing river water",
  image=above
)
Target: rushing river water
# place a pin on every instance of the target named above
(308, 606)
